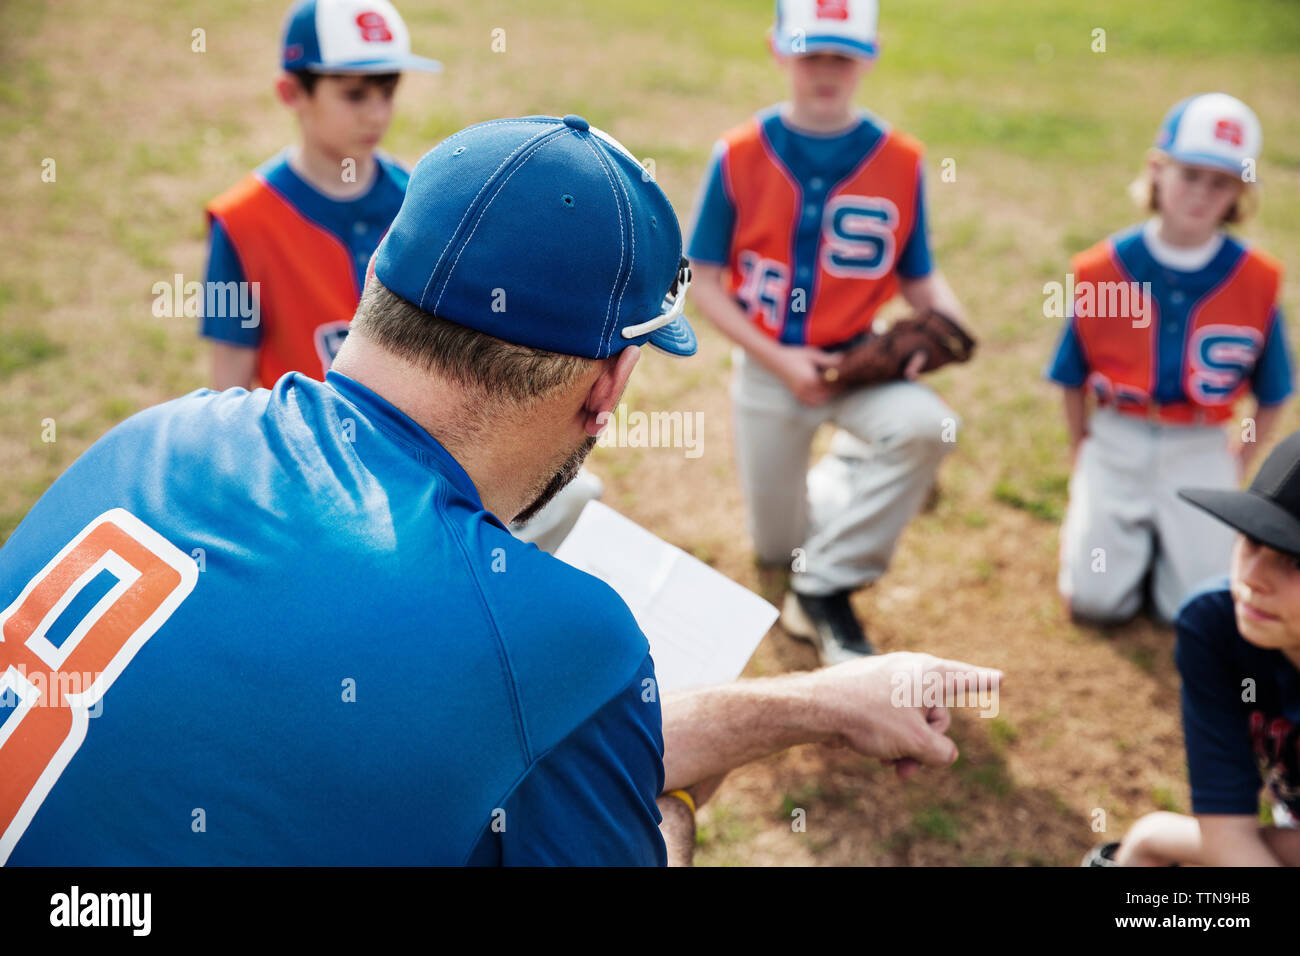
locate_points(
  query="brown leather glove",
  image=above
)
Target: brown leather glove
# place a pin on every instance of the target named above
(884, 356)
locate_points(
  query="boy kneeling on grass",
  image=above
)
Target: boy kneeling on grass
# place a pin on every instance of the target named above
(1166, 362)
(1238, 652)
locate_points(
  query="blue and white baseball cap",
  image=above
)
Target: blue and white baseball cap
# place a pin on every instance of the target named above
(349, 36)
(1212, 129)
(826, 26)
(544, 232)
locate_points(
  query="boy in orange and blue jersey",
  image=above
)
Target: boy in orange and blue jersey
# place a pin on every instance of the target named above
(302, 227)
(812, 217)
(1171, 323)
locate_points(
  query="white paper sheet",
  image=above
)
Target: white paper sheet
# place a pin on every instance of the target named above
(702, 626)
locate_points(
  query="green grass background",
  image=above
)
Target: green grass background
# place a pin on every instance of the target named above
(1045, 133)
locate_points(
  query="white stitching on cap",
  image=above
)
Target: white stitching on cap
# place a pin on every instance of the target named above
(434, 271)
(496, 122)
(606, 330)
(631, 230)
(483, 212)
(609, 304)
(536, 148)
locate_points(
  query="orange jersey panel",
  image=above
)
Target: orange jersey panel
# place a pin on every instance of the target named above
(1188, 343)
(814, 250)
(306, 283)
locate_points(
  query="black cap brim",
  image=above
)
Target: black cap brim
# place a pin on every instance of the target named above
(1253, 515)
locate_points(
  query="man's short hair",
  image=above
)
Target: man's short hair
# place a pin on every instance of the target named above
(473, 359)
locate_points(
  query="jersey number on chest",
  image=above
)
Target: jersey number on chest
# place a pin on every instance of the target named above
(857, 240)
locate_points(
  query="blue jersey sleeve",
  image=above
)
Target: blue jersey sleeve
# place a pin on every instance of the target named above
(223, 267)
(715, 216)
(1068, 367)
(589, 801)
(1216, 729)
(1272, 380)
(915, 261)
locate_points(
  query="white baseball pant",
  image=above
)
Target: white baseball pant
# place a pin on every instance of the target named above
(848, 512)
(1125, 517)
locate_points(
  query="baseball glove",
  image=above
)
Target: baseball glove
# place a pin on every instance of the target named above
(885, 354)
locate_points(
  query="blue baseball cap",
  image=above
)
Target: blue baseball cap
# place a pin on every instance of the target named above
(544, 232)
(349, 36)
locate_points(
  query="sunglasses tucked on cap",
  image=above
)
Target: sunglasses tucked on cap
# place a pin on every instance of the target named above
(544, 232)
(349, 36)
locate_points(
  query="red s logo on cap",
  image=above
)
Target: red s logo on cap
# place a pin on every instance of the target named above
(832, 9)
(373, 27)
(1230, 131)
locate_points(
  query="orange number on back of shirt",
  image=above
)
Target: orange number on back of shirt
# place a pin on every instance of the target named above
(56, 686)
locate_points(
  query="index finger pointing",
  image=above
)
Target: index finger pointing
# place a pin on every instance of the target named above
(957, 674)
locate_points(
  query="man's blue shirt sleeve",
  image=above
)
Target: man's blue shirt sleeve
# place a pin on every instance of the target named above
(715, 216)
(1272, 381)
(590, 800)
(1220, 763)
(223, 266)
(915, 262)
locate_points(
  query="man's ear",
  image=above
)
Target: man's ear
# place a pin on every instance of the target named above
(607, 389)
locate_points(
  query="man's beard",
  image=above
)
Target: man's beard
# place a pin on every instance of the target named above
(566, 474)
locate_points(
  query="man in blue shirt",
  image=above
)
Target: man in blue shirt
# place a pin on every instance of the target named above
(290, 626)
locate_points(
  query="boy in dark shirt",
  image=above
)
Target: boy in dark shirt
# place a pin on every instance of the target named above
(1238, 652)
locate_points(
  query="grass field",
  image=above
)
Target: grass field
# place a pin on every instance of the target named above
(1045, 134)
